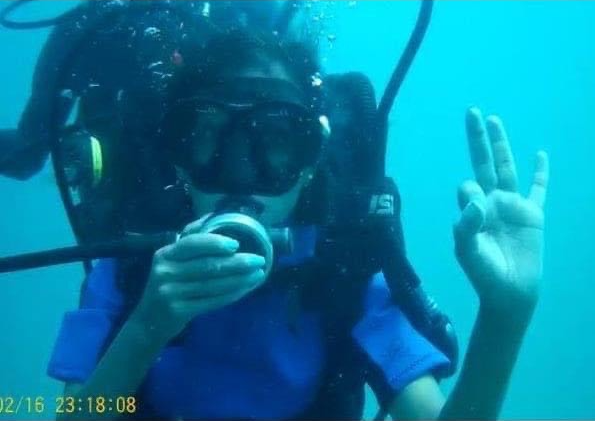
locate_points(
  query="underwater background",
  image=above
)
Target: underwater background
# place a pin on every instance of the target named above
(531, 62)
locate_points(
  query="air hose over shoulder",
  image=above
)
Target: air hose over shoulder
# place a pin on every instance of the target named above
(363, 194)
(405, 286)
(365, 154)
(398, 76)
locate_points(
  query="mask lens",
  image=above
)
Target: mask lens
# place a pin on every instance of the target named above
(193, 134)
(281, 141)
(285, 137)
(210, 122)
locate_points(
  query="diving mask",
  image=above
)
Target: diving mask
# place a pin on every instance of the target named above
(254, 142)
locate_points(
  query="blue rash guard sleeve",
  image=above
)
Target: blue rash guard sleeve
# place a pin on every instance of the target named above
(84, 332)
(395, 353)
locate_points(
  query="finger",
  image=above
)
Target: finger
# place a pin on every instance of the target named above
(480, 150)
(538, 191)
(195, 226)
(469, 191)
(470, 224)
(215, 267)
(212, 287)
(193, 246)
(502, 153)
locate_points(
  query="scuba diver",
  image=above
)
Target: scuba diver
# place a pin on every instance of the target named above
(249, 259)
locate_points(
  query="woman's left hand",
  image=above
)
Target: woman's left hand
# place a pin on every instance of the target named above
(499, 237)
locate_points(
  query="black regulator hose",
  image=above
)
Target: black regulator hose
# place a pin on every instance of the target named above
(131, 245)
(392, 89)
(417, 36)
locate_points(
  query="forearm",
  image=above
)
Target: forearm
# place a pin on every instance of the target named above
(493, 349)
(123, 367)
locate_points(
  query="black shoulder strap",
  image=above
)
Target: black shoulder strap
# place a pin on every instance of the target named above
(363, 234)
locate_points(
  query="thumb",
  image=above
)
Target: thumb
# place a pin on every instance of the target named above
(470, 224)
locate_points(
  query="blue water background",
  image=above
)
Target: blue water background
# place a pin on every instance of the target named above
(531, 62)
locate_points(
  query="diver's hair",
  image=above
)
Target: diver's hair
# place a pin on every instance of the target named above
(238, 49)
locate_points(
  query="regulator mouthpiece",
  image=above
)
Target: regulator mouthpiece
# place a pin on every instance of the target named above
(252, 235)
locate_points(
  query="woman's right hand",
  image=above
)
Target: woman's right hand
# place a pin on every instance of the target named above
(197, 274)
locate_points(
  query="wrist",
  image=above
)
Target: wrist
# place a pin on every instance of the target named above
(148, 328)
(510, 316)
(507, 301)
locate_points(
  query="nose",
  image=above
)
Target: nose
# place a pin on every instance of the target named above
(238, 166)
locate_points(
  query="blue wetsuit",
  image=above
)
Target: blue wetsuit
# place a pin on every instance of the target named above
(243, 361)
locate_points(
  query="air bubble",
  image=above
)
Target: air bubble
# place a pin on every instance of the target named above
(316, 80)
(67, 93)
(206, 9)
(152, 31)
(155, 64)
